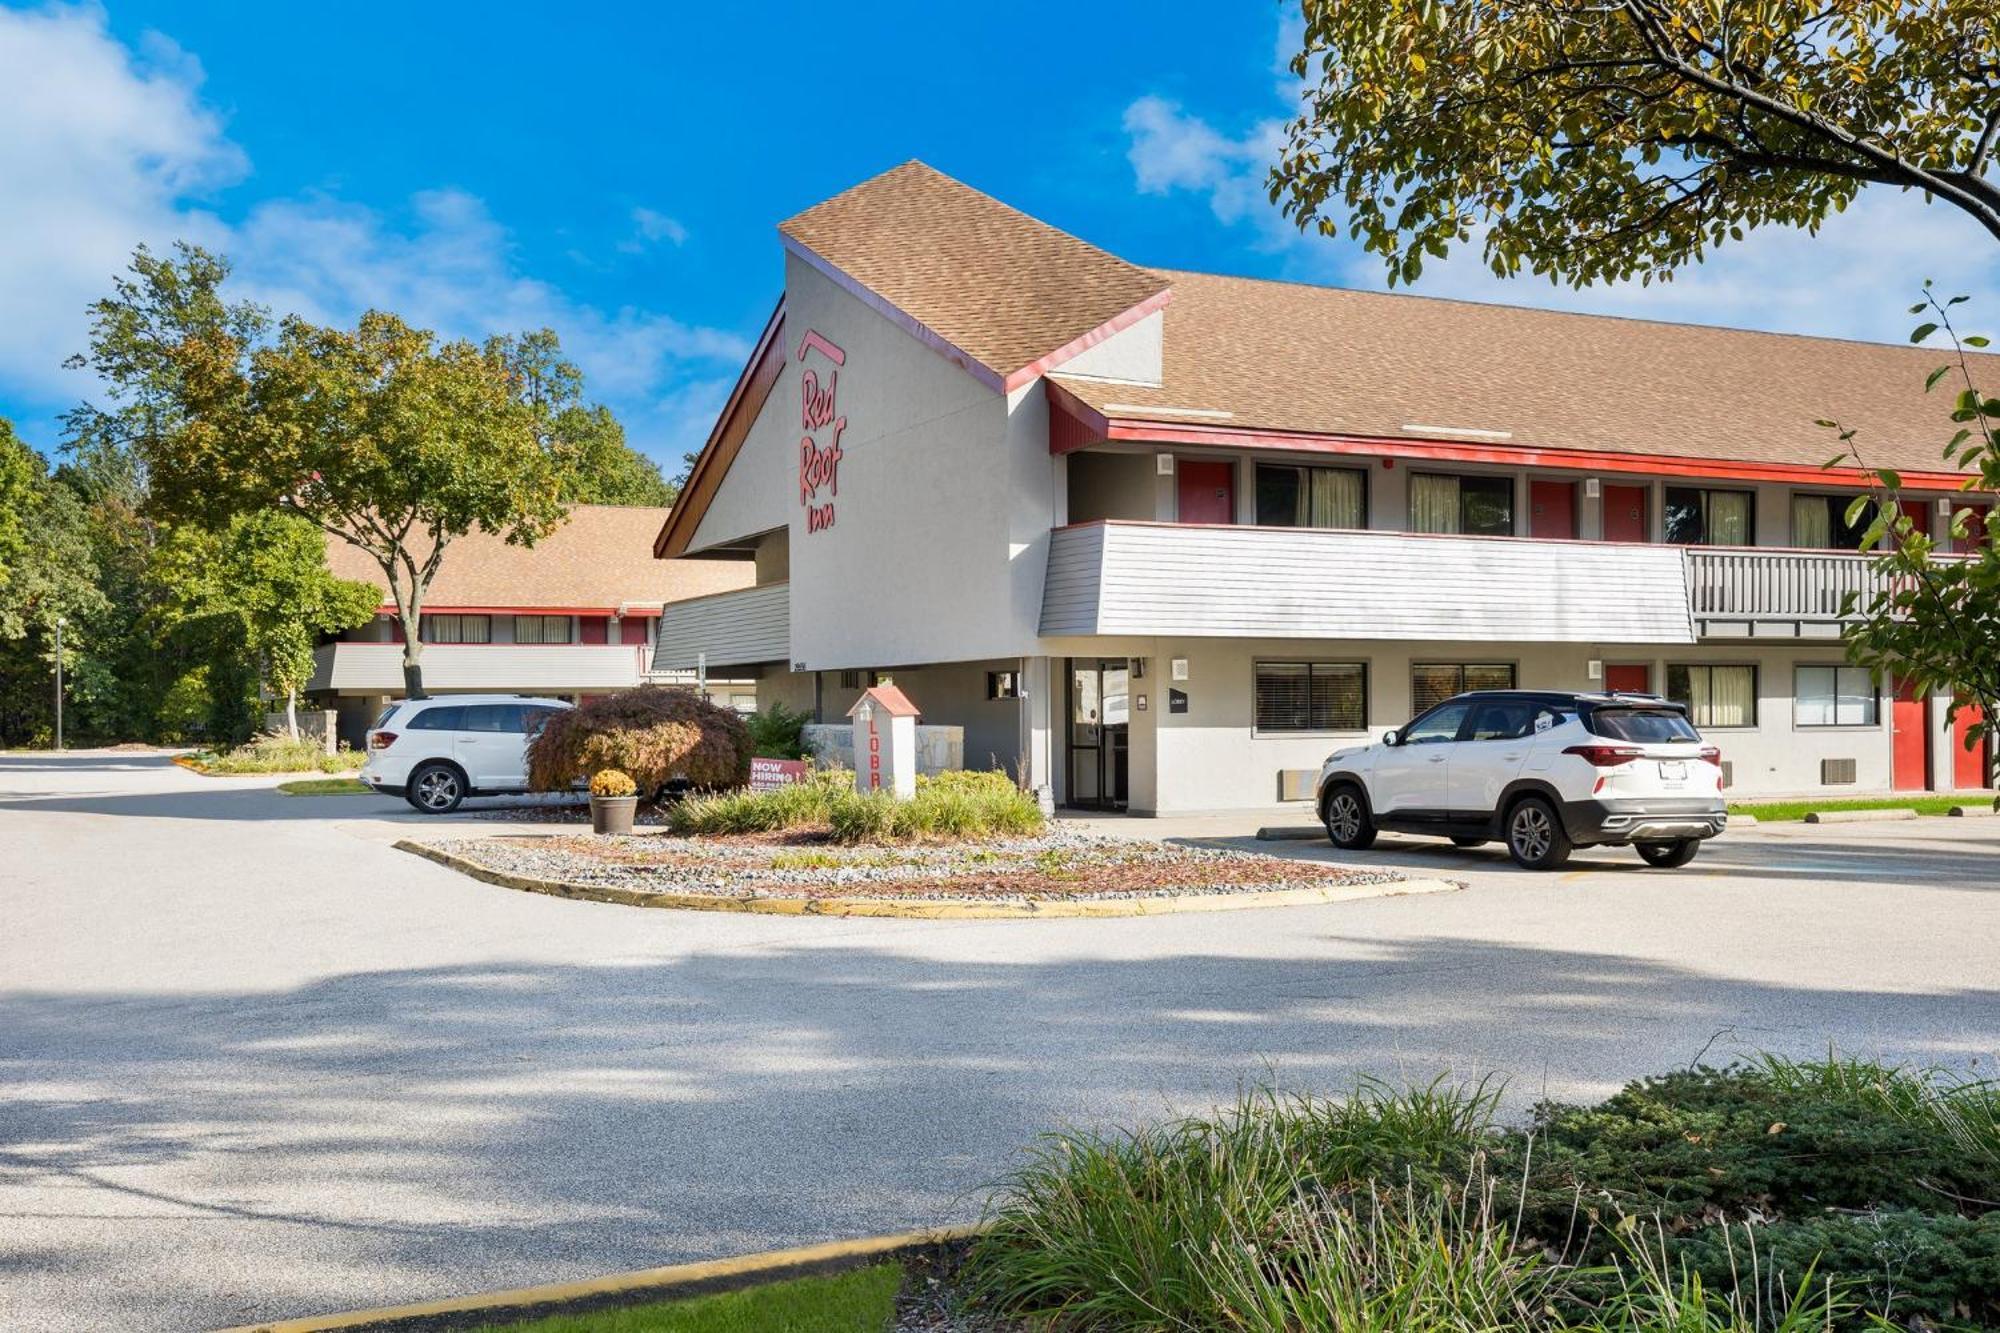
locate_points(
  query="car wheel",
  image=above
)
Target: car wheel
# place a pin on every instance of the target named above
(1535, 835)
(1467, 840)
(436, 789)
(1346, 816)
(1667, 855)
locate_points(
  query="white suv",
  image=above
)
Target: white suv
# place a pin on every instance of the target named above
(1545, 771)
(436, 752)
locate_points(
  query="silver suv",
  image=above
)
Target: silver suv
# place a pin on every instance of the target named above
(1545, 771)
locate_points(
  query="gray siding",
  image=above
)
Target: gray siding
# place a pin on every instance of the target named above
(1148, 579)
(733, 628)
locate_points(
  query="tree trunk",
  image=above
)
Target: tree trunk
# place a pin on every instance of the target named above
(291, 712)
(413, 667)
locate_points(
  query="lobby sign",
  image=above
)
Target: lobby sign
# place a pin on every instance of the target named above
(771, 774)
(819, 446)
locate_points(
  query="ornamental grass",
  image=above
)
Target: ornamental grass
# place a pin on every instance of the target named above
(1773, 1197)
(957, 805)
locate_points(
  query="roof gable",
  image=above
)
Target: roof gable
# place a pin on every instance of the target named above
(1013, 294)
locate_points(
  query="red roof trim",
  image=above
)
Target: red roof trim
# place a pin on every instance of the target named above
(901, 318)
(1034, 370)
(1588, 460)
(389, 608)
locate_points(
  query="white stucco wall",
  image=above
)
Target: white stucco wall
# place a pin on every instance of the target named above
(1211, 758)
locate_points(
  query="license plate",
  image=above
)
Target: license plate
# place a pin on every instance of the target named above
(1674, 770)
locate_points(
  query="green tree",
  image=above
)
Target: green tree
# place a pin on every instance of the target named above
(262, 585)
(18, 473)
(380, 435)
(1608, 139)
(1935, 623)
(52, 577)
(599, 467)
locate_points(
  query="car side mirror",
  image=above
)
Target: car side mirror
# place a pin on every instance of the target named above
(1392, 739)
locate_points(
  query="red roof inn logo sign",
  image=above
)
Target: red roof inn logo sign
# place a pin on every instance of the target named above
(819, 464)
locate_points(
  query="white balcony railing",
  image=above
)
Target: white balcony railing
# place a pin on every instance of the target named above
(366, 668)
(1152, 578)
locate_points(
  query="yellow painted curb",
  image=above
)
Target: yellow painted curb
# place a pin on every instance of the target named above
(663, 1283)
(932, 909)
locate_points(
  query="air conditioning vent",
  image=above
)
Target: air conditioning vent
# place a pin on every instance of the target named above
(1836, 772)
(1728, 773)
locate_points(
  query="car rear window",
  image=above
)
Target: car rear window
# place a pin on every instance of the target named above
(1643, 726)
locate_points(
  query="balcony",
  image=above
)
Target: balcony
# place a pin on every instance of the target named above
(377, 668)
(1744, 593)
(740, 628)
(1108, 578)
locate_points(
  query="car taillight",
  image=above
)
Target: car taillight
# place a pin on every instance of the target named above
(381, 740)
(1711, 755)
(1605, 756)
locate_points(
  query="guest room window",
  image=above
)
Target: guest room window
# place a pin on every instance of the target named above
(1311, 696)
(1710, 518)
(1716, 696)
(1834, 696)
(1819, 523)
(458, 629)
(541, 629)
(1475, 506)
(1311, 497)
(1431, 683)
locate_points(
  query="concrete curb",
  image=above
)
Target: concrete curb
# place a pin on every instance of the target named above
(931, 909)
(1860, 816)
(1972, 812)
(1290, 832)
(671, 1282)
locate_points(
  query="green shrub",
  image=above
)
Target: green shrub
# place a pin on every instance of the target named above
(655, 735)
(778, 733)
(276, 753)
(798, 805)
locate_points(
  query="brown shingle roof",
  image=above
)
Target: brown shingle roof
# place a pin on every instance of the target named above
(1001, 286)
(1290, 357)
(602, 557)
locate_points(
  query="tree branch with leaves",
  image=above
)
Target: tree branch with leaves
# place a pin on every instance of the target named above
(1593, 140)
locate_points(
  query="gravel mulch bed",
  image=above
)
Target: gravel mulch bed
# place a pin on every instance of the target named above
(1055, 865)
(931, 1302)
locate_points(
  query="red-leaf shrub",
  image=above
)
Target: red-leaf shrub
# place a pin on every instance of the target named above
(654, 734)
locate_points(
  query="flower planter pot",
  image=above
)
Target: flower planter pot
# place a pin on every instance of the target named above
(612, 814)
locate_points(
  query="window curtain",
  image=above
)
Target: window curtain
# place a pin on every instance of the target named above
(1433, 503)
(1336, 498)
(1812, 522)
(1725, 696)
(1728, 517)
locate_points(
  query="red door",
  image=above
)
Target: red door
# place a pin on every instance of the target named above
(1970, 769)
(1207, 491)
(1552, 509)
(632, 629)
(1975, 527)
(1625, 514)
(592, 629)
(1919, 514)
(1910, 740)
(1628, 677)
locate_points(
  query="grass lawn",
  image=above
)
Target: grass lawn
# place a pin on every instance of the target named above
(1796, 810)
(863, 1301)
(326, 787)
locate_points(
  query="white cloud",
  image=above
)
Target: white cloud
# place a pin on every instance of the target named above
(102, 150)
(106, 149)
(650, 227)
(1855, 278)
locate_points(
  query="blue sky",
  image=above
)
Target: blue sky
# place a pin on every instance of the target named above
(616, 172)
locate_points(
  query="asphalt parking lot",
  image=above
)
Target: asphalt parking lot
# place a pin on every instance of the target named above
(254, 1062)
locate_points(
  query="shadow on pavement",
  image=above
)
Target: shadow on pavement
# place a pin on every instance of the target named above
(464, 1127)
